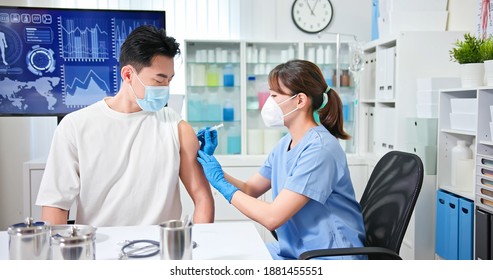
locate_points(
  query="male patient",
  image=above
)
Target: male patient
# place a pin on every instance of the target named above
(121, 158)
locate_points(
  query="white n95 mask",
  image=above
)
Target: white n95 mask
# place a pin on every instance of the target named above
(272, 113)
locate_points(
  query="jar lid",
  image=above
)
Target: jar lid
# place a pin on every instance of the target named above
(72, 234)
(28, 227)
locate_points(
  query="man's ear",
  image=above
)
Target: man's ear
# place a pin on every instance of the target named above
(126, 73)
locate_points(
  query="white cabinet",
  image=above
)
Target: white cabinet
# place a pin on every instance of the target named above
(227, 82)
(447, 139)
(245, 167)
(484, 152)
(32, 175)
(407, 58)
(387, 99)
(465, 115)
(484, 176)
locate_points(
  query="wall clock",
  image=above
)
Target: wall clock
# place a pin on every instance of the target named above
(312, 16)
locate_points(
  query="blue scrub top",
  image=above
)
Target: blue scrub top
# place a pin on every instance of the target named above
(316, 168)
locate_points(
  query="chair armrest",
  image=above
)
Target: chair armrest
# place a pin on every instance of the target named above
(377, 252)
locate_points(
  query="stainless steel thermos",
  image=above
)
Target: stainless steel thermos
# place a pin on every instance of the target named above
(38, 240)
(73, 242)
(29, 240)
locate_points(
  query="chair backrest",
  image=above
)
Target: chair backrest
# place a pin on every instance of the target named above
(389, 199)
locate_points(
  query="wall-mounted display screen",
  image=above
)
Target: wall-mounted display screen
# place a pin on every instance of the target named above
(55, 61)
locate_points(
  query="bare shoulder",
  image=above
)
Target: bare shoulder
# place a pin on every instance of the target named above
(188, 139)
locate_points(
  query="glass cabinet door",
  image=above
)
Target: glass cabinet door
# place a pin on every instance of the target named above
(334, 63)
(261, 58)
(213, 90)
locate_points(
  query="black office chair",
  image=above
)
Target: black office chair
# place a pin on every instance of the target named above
(387, 204)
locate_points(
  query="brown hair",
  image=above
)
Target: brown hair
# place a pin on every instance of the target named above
(305, 76)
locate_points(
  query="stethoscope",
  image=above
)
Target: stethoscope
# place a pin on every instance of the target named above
(129, 250)
(150, 249)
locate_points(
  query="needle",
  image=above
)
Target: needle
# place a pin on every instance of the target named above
(214, 127)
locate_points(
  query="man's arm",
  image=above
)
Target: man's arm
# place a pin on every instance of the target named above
(192, 175)
(53, 215)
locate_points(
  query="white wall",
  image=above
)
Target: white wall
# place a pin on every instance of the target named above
(23, 139)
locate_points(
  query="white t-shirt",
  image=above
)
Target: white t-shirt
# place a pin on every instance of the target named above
(122, 169)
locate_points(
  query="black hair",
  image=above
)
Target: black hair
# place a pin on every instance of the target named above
(144, 43)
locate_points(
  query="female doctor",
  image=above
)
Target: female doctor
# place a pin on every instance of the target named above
(313, 205)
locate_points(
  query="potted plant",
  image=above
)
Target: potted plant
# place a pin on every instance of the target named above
(467, 54)
(486, 50)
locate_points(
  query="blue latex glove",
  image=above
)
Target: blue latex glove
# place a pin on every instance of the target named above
(215, 175)
(208, 140)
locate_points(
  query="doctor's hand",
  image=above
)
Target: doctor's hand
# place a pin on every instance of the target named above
(208, 140)
(215, 175)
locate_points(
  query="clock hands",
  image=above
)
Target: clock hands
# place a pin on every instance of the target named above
(308, 4)
(314, 6)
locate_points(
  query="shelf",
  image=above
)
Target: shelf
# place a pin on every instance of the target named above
(211, 123)
(489, 143)
(385, 101)
(461, 132)
(264, 63)
(365, 101)
(250, 59)
(205, 87)
(371, 46)
(468, 195)
(212, 63)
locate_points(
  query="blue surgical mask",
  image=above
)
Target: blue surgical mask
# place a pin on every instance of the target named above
(155, 97)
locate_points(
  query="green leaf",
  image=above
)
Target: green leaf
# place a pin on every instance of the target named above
(468, 50)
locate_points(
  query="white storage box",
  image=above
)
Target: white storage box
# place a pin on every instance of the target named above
(419, 5)
(463, 121)
(427, 97)
(427, 110)
(418, 21)
(463, 105)
(437, 83)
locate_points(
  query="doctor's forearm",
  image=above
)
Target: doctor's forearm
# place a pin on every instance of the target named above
(243, 186)
(257, 210)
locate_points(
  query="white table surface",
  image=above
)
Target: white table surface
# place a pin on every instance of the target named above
(217, 241)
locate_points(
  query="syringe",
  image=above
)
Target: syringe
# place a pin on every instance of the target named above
(215, 127)
(212, 128)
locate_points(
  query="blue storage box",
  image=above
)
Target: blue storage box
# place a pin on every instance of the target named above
(447, 229)
(440, 246)
(466, 216)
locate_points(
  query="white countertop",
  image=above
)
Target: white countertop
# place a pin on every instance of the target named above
(217, 241)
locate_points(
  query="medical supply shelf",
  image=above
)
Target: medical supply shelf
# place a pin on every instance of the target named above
(388, 117)
(227, 81)
(469, 122)
(484, 176)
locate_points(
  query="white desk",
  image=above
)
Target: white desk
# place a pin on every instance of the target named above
(217, 241)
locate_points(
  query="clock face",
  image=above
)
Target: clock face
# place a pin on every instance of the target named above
(312, 16)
